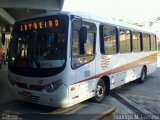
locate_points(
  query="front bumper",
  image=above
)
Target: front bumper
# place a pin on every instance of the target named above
(58, 98)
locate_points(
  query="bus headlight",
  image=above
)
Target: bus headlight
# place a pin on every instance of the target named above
(53, 86)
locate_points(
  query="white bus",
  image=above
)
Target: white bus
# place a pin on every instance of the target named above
(64, 58)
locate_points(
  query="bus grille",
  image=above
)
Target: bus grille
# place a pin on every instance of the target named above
(30, 87)
(31, 98)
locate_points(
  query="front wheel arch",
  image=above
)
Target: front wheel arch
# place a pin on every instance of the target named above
(142, 78)
(100, 91)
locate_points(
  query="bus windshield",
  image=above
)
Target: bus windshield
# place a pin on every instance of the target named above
(39, 44)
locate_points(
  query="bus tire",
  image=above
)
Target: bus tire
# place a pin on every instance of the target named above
(100, 91)
(143, 75)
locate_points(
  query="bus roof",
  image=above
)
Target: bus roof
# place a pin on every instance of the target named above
(87, 16)
(112, 22)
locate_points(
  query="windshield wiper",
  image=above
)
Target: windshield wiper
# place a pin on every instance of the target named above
(16, 60)
(36, 62)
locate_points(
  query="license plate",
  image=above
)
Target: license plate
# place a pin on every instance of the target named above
(26, 94)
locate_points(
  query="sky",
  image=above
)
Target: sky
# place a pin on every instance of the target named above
(128, 10)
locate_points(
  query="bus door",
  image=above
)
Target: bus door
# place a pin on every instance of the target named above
(83, 57)
(83, 76)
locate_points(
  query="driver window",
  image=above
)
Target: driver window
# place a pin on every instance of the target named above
(89, 46)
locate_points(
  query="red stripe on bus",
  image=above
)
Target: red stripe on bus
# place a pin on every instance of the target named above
(150, 59)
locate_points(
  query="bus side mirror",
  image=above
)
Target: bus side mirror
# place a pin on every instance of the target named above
(83, 34)
(82, 39)
(3, 38)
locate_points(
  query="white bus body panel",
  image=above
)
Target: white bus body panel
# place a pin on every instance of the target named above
(80, 84)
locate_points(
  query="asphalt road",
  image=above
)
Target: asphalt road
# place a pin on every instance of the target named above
(146, 95)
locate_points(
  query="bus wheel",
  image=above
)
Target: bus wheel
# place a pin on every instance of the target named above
(100, 91)
(143, 75)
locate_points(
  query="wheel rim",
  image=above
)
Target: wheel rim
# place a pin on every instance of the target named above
(100, 91)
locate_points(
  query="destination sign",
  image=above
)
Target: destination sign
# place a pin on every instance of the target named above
(39, 25)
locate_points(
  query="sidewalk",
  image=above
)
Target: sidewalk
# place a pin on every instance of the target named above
(4, 91)
(4, 67)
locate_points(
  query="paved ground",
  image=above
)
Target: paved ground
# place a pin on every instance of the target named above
(146, 95)
(4, 93)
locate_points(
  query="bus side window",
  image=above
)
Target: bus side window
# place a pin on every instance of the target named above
(89, 45)
(136, 43)
(75, 44)
(153, 42)
(124, 40)
(108, 35)
(146, 42)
